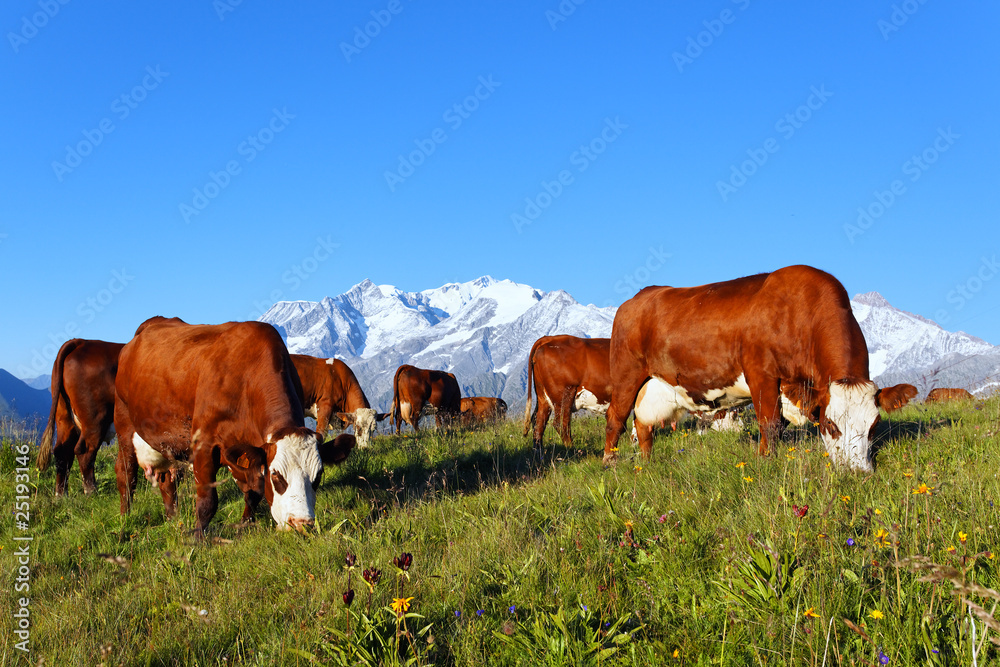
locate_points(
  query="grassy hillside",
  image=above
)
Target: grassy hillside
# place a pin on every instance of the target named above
(697, 557)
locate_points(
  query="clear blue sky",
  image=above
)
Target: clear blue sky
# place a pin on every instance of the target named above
(735, 137)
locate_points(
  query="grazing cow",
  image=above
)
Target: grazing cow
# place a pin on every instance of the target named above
(786, 341)
(415, 388)
(213, 396)
(943, 394)
(570, 374)
(330, 387)
(482, 409)
(82, 413)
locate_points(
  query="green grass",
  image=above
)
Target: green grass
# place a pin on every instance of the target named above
(687, 553)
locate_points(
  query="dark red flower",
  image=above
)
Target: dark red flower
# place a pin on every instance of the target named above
(800, 511)
(372, 575)
(351, 559)
(403, 561)
(349, 596)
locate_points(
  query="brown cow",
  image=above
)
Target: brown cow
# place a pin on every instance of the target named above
(943, 394)
(786, 335)
(82, 413)
(330, 387)
(215, 395)
(415, 388)
(482, 409)
(570, 374)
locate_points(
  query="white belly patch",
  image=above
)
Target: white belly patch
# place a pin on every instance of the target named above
(658, 401)
(792, 413)
(586, 400)
(149, 459)
(312, 411)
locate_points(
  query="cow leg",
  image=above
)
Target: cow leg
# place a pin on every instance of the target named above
(565, 413)
(323, 413)
(622, 402)
(166, 481)
(541, 420)
(126, 464)
(86, 460)
(644, 436)
(63, 454)
(413, 418)
(766, 395)
(206, 463)
(250, 501)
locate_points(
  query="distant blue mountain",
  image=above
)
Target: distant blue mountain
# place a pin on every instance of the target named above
(19, 401)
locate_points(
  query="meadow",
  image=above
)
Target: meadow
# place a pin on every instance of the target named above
(493, 555)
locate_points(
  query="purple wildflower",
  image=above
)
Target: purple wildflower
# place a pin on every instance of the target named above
(850, 541)
(883, 658)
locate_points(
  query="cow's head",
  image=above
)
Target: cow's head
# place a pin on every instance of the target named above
(847, 422)
(295, 458)
(364, 421)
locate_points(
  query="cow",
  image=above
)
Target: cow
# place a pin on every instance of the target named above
(213, 396)
(414, 388)
(944, 394)
(329, 387)
(786, 341)
(569, 374)
(482, 409)
(82, 413)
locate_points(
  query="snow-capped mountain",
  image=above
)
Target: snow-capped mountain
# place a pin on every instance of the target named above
(904, 347)
(481, 331)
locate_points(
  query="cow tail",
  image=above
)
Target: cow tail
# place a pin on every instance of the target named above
(394, 414)
(58, 394)
(528, 415)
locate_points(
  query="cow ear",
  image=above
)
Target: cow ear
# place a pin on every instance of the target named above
(346, 417)
(894, 398)
(379, 416)
(246, 459)
(336, 450)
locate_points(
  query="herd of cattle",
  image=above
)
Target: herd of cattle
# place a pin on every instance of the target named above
(208, 396)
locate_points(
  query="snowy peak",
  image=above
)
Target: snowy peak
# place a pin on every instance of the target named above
(904, 347)
(481, 330)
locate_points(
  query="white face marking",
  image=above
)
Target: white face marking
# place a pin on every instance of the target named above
(296, 458)
(364, 425)
(585, 400)
(854, 411)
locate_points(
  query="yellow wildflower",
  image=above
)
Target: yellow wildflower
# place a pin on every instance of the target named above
(907, 474)
(845, 499)
(876, 614)
(748, 479)
(962, 537)
(923, 488)
(638, 468)
(401, 605)
(791, 449)
(811, 613)
(677, 653)
(741, 464)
